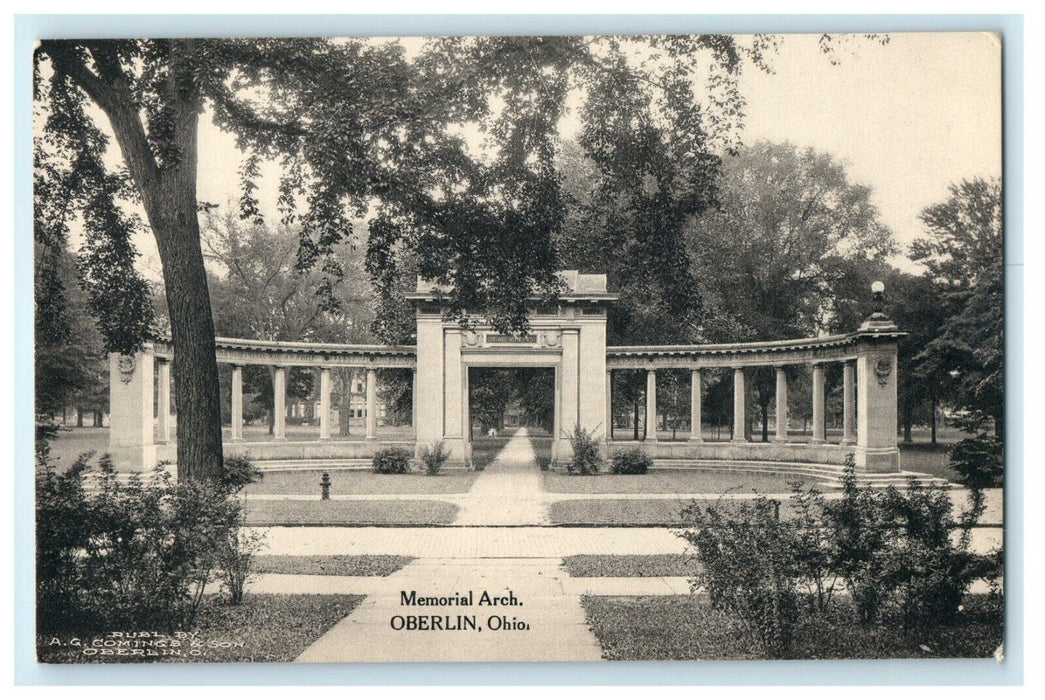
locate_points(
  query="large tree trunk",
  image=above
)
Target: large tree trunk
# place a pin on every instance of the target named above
(168, 192)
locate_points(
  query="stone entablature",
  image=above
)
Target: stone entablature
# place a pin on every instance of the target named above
(834, 348)
(240, 351)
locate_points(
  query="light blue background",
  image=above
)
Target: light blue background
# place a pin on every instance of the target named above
(899, 672)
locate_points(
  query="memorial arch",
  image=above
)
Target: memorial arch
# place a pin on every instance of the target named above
(568, 338)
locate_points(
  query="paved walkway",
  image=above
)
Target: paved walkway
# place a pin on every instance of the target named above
(535, 619)
(508, 491)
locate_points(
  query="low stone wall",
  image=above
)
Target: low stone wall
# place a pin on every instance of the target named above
(271, 449)
(740, 452)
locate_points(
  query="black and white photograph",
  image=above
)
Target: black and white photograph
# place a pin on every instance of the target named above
(519, 348)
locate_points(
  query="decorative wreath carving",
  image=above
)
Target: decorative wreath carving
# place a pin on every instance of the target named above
(882, 369)
(471, 339)
(552, 339)
(126, 367)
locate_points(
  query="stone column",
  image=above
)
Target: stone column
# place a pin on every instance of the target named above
(279, 403)
(819, 424)
(371, 404)
(413, 401)
(131, 385)
(324, 403)
(848, 403)
(739, 405)
(696, 396)
(876, 449)
(609, 405)
(781, 405)
(237, 402)
(163, 401)
(651, 405)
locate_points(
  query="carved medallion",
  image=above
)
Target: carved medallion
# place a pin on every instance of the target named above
(126, 366)
(471, 339)
(551, 339)
(882, 369)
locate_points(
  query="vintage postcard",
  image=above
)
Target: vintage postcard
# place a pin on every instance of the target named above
(519, 348)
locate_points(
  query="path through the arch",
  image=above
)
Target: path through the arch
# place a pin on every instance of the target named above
(508, 491)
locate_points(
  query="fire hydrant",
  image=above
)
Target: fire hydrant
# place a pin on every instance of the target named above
(324, 484)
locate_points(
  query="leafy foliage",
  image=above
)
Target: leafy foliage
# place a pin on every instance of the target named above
(979, 462)
(748, 569)
(902, 556)
(631, 461)
(586, 458)
(434, 457)
(963, 256)
(132, 555)
(391, 460)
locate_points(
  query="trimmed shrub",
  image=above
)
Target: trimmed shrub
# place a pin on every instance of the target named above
(240, 471)
(391, 460)
(586, 458)
(632, 461)
(434, 457)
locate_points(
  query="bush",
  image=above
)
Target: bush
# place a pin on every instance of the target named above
(240, 471)
(897, 554)
(978, 462)
(434, 457)
(633, 461)
(392, 460)
(544, 463)
(748, 568)
(134, 555)
(586, 459)
(902, 555)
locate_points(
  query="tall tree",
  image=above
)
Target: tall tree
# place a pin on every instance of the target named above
(788, 253)
(152, 93)
(963, 256)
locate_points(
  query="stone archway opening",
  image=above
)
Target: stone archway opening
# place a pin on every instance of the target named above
(507, 402)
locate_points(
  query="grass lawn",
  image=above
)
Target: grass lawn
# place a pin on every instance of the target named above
(306, 482)
(263, 628)
(405, 512)
(667, 481)
(685, 627)
(581, 565)
(661, 511)
(927, 459)
(331, 565)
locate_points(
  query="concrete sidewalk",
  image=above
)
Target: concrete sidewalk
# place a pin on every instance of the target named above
(508, 491)
(534, 620)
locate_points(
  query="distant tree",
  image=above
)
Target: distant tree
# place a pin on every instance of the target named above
(71, 366)
(789, 251)
(914, 303)
(258, 291)
(963, 256)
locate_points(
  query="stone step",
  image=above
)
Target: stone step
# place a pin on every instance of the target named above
(272, 465)
(828, 474)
